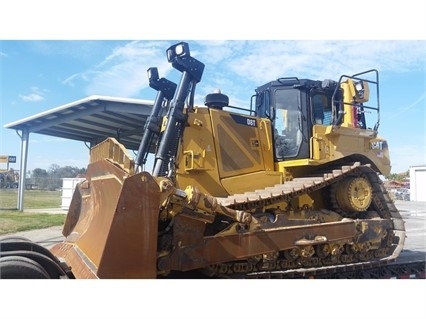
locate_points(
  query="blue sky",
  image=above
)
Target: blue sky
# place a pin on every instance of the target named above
(73, 51)
(38, 75)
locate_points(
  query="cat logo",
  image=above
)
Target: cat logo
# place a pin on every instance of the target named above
(378, 145)
(12, 159)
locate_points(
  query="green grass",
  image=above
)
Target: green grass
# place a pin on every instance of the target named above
(15, 221)
(12, 220)
(32, 199)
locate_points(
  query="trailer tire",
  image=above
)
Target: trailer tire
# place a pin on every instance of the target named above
(14, 239)
(18, 267)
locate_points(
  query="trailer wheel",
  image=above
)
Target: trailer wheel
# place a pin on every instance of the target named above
(15, 238)
(17, 267)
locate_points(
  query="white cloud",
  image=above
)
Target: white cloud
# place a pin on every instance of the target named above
(123, 72)
(36, 95)
(69, 80)
(240, 66)
(32, 97)
(262, 61)
(420, 101)
(2, 54)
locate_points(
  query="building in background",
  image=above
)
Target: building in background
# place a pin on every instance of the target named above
(68, 187)
(418, 183)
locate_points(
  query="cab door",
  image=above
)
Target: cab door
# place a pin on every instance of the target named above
(291, 133)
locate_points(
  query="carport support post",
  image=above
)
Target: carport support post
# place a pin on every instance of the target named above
(23, 168)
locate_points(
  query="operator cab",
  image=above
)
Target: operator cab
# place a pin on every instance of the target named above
(294, 106)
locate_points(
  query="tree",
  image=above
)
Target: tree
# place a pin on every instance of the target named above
(398, 176)
(57, 173)
(39, 177)
(52, 178)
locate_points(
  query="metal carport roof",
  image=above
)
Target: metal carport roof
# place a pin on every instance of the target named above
(89, 120)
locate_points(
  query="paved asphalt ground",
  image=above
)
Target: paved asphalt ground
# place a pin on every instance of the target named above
(414, 214)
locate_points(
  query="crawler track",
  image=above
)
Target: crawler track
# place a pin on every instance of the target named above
(287, 266)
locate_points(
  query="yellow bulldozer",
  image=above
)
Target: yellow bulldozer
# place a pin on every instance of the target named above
(290, 183)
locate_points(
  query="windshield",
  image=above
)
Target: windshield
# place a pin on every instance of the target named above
(287, 123)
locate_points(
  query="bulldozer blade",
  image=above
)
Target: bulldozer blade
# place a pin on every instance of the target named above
(112, 225)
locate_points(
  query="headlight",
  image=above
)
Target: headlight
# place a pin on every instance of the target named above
(177, 51)
(359, 88)
(152, 74)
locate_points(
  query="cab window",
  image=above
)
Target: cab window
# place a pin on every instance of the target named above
(321, 109)
(287, 123)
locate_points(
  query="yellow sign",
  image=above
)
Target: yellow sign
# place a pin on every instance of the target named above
(7, 159)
